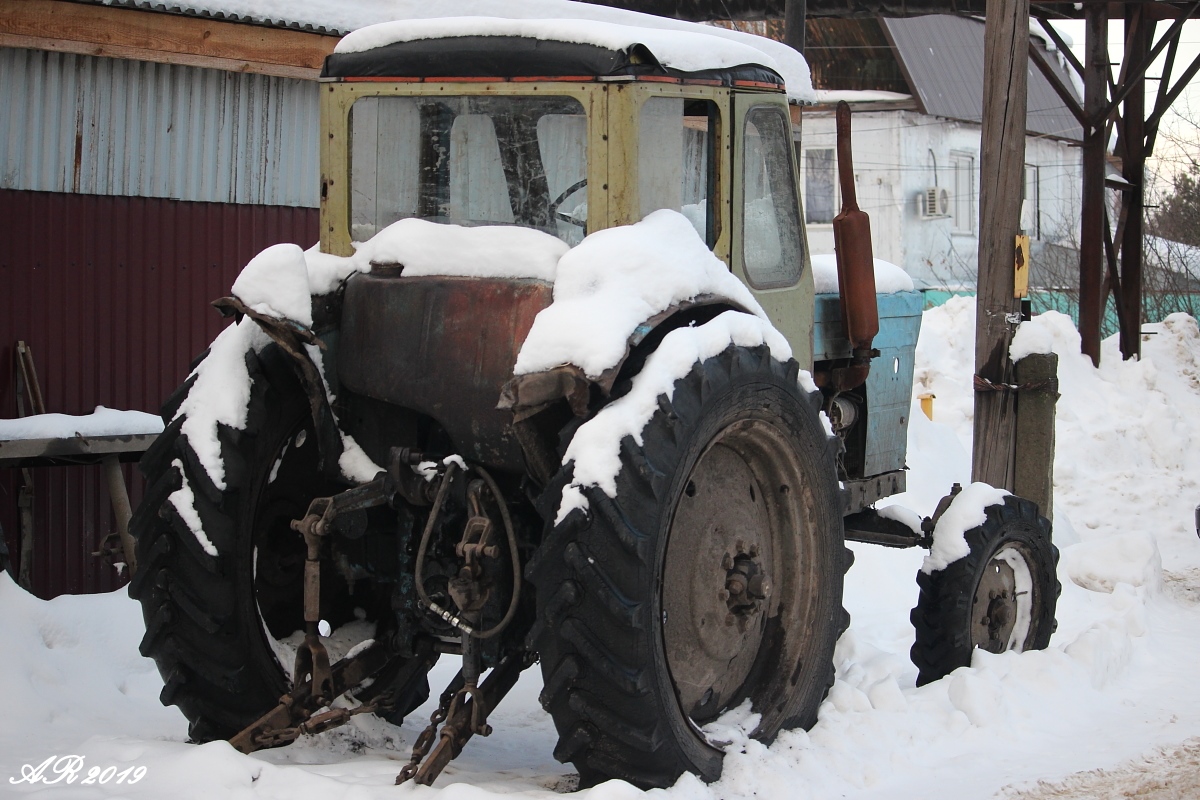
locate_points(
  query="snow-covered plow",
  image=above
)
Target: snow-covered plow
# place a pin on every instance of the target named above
(557, 386)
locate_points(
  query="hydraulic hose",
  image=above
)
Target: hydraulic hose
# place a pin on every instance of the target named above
(510, 533)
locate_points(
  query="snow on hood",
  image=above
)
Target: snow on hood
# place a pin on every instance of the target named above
(889, 278)
(430, 248)
(343, 16)
(689, 51)
(615, 280)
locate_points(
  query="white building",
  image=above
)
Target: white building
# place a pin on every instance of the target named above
(916, 155)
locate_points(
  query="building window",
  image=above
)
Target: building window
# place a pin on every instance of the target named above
(962, 205)
(1031, 210)
(819, 186)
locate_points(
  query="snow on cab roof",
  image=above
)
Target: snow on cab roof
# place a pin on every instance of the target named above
(342, 16)
(676, 50)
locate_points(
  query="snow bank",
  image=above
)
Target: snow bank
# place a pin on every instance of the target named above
(889, 278)
(71, 667)
(1116, 681)
(968, 510)
(615, 280)
(595, 449)
(1129, 558)
(689, 51)
(101, 422)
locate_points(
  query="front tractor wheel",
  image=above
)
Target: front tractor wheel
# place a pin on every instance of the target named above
(1000, 597)
(707, 591)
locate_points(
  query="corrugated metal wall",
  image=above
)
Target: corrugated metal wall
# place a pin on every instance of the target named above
(90, 125)
(112, 294)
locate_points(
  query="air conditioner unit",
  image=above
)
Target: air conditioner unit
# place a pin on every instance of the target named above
(935, 203)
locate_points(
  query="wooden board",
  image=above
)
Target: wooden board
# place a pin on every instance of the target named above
(163, 38)
(72, 450)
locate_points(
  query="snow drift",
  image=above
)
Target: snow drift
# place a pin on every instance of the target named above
(1117, 680)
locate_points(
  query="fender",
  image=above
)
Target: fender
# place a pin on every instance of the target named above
(291, 337)
(533, 398)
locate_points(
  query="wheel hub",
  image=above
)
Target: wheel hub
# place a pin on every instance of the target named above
(1000, 620)
(716, 583)
(746, 585)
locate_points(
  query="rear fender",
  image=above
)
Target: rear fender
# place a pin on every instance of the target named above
(527, 394)
(547, 405)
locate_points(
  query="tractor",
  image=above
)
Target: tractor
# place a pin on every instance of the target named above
(556, 388)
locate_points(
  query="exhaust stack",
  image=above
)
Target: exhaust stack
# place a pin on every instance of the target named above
(855, 266)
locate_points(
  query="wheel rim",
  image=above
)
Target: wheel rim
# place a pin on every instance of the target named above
(1002, 612)
(729, 575)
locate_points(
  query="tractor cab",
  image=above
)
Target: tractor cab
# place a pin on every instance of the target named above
(569, 137)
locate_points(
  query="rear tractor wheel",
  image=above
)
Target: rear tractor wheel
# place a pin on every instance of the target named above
(706, 595)
(220, 604)
(1000, 597)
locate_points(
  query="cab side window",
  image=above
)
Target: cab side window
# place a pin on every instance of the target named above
(772, 248)
(677, 161)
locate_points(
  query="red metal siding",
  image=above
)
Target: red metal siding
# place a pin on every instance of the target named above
(112, 294)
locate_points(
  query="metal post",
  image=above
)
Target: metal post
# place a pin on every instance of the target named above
(119, 497)
(1001, 181)
(1034, 457)
(25, 559)
(794, 22)
(1138, 32)
(1091, 246)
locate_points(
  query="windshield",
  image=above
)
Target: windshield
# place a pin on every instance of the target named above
(469, 161)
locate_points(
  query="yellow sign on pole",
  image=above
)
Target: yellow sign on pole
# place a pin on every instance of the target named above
(1021, 271)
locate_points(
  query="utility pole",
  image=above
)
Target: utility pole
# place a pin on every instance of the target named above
(1002, 180)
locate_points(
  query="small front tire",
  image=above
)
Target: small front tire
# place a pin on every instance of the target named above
(1000, 597)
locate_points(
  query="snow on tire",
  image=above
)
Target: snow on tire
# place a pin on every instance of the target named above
(711, 582)
(1001, 596)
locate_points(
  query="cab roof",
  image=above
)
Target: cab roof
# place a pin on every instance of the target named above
(488, 47)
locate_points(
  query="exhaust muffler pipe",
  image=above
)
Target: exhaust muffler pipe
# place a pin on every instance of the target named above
(855, 266)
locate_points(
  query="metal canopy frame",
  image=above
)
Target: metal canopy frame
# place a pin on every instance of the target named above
(1111, 262)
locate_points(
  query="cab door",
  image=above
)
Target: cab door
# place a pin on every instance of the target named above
(769, 250)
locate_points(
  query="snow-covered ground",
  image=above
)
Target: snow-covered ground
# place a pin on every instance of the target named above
(1116, 683)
